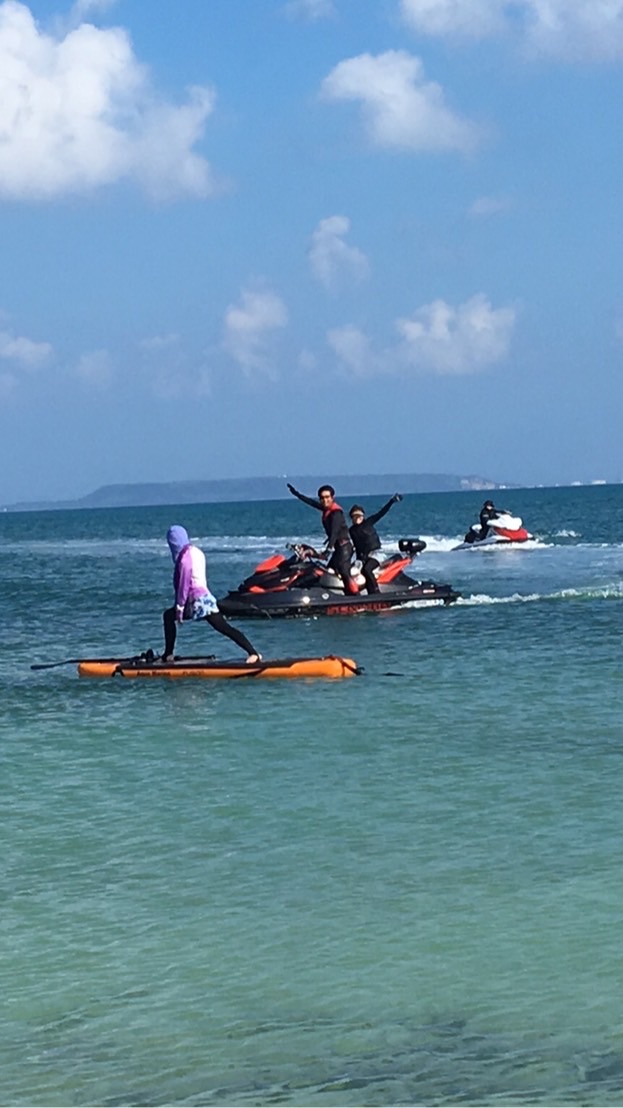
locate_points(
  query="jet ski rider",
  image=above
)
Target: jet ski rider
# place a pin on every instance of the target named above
(366, 540)
(338, 543)
(488, 513)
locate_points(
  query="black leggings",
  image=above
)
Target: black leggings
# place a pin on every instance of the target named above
(340, 561)
(368, 569)
(216, 620)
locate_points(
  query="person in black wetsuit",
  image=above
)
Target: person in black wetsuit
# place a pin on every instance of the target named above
(488, 513)
(338, 543)
(366, 541)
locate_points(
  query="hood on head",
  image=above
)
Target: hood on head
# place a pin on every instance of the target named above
(177, 538)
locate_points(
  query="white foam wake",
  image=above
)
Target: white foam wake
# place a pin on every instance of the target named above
(603, 592)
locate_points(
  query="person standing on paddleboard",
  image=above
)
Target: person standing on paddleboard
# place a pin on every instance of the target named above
(193, 599)
(338, 543)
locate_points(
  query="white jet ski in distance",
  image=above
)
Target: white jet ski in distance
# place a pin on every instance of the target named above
(506, 530)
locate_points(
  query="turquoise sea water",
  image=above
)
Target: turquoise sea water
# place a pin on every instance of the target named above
(387, 890)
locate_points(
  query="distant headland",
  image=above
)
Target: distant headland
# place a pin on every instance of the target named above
(233, 489)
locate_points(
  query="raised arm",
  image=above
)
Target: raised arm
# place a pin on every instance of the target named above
(376, 516)
(313, 503)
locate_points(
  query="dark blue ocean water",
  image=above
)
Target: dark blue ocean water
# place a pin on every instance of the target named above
(388, 890)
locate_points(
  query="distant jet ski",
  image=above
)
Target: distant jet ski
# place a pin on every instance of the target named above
(506, 530)
(301, 585)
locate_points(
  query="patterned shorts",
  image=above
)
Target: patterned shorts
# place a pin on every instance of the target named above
(203, 606)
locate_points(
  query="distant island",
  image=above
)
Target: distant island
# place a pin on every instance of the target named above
(233, 489)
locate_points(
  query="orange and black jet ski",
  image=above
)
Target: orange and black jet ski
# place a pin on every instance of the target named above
(302, 585)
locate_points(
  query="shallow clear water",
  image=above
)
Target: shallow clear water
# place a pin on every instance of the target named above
(402, 888)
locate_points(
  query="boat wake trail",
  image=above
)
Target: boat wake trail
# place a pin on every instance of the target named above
(604, 592)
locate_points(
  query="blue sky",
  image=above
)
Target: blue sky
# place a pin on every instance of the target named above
(309, 236)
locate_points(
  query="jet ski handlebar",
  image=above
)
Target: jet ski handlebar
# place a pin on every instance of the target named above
(303, 551)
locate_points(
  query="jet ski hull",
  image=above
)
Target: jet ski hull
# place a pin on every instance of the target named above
(496, 542)
(296, 603)
(302, 585)
(505, 530)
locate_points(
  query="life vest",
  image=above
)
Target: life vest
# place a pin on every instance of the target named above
(343, 535)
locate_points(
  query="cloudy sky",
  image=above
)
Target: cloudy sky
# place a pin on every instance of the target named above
(309, 236)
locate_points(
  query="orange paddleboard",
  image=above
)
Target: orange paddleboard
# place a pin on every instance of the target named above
(329, 666)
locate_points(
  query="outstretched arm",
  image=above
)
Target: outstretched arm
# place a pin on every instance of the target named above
(313, 503)
(384, 510)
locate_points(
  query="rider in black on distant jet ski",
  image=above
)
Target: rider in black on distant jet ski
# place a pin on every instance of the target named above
(338, 543)
(488, 513)
(366, 540)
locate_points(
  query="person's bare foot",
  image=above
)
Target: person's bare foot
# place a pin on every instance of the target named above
(253, 658)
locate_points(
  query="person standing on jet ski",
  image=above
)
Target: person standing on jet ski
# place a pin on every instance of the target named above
(338, 543)
(366, 541)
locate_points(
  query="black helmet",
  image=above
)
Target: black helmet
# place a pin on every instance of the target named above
(488, 504)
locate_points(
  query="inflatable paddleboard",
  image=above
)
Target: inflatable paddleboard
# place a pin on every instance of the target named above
(329, 666)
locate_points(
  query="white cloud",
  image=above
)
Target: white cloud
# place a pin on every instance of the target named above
(157, 343)
(95, 368)
(162, 155)
(485, 206)
(473, 18)
(354, 350)
(311, 10)
(24, 352)
(438, 339)
(331, 258)
(82, 9)
(441, 339)
(248, 326)
(20, 354)
(77, 112)
(574, 30)
(401, 109)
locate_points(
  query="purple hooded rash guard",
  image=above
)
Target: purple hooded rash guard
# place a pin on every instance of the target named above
(189, 576)
(177, 538)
